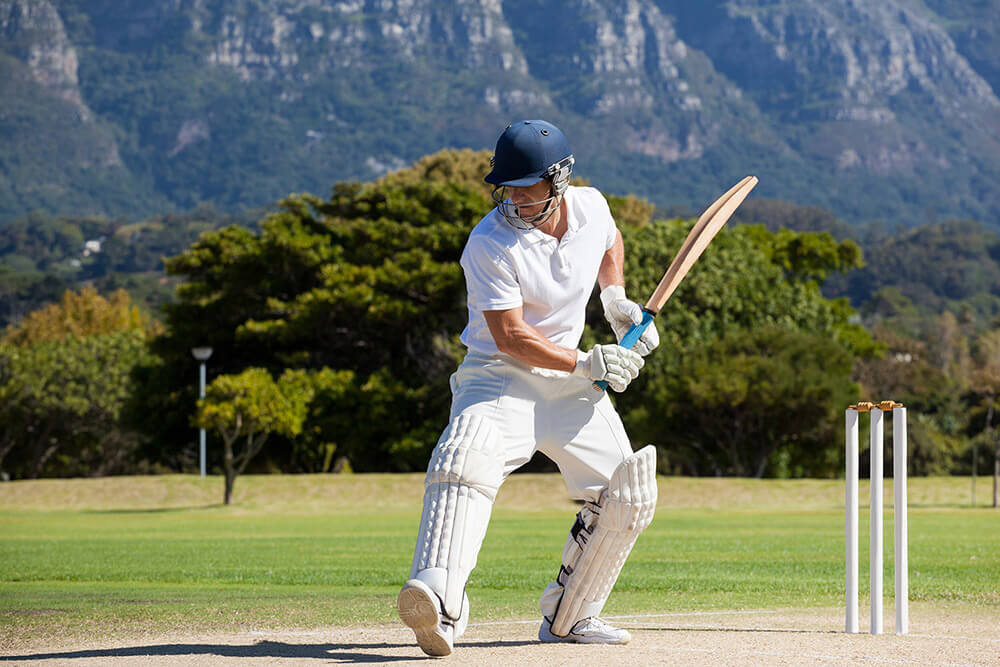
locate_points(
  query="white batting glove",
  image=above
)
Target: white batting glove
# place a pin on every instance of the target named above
(612, 363)
(621, 314)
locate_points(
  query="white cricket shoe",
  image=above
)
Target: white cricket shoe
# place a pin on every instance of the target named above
(592, 630)
(420, 608)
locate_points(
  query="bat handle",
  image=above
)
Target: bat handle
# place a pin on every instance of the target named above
(629, 340)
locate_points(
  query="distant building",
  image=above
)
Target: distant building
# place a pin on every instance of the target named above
(92, 247)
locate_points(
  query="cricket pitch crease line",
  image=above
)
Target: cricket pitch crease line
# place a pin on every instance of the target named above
(969, 639)
(638, 616)
(816, 656)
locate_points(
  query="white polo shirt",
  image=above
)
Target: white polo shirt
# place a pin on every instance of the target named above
(551, 280)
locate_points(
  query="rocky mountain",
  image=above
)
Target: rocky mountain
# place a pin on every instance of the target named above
(54, 148)
(876, 90)
(975, 29)
(877, 109)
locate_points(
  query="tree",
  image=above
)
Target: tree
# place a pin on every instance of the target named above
(366, 286)
(80, 314)
(806, 256)
(741, 285)
(948, 348)
(934, 398)
(986, 380)
(252, 406)
(367, 282)
(777, 214)
(22, 292)
(328, 432)
(61, 402)
(952, 265)
(744, 280)
(756, 402)
(64, 379)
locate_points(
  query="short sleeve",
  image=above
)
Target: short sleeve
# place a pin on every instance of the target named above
(612, 227)
(490, 277)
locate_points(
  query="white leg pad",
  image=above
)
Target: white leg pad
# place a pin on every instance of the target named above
(463, 476)
(600, 542)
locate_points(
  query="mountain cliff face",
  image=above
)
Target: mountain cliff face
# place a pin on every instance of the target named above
(54, 150)
(848, 59)
(859, 82)
(975, 29)
(311, 36)
(875, 108)
(34, 33)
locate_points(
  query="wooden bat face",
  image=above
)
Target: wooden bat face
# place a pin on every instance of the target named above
(708, 225)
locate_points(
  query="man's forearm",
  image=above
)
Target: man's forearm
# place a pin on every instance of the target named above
(612, 270)
(523, 342)
(526, 344)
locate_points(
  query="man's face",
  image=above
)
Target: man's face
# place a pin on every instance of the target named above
(524, 197)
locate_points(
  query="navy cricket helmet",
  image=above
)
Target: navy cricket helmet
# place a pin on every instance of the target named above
(527, 152)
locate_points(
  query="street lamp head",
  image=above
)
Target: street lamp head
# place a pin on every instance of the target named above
(201, 353)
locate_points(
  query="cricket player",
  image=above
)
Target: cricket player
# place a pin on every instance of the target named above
(530, 267)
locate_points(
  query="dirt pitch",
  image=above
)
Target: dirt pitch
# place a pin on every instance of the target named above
(939, 635)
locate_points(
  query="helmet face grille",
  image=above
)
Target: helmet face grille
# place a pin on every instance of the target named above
(511, 212)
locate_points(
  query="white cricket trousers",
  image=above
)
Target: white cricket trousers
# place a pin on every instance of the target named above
(560, 415)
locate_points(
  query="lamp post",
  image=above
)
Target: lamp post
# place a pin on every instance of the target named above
(201, 354)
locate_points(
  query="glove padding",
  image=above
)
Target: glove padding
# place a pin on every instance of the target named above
(612, 363)
(621, 314)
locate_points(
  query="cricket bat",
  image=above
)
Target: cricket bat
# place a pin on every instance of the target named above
(708, 225)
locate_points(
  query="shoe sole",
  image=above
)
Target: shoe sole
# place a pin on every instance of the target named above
(419, 611)
(615, 642)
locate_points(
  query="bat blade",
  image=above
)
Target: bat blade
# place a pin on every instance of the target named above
(704, 230)
(708, 225)
(709, 212)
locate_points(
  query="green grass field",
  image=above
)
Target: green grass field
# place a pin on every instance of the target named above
(125, 556)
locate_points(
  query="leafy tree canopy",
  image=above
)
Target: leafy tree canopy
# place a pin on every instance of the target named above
(252, 406)
(758, 401)
(365, 292)
(61, 401)
(953, 265)
(80, 314)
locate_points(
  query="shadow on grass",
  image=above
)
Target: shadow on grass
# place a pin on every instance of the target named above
(347, 653)
(157, 510)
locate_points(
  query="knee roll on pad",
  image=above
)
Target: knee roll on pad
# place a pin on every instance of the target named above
(601, 540)
(463, 476)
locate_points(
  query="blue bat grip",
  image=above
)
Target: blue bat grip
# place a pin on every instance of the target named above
(629, 340)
